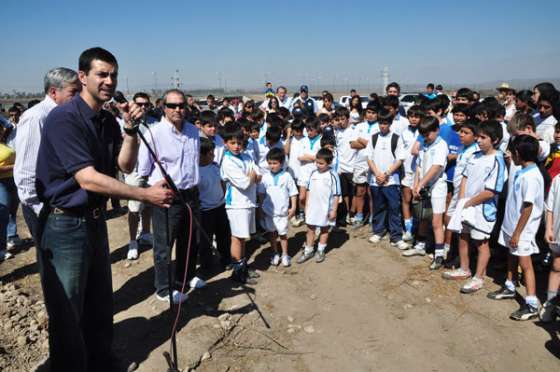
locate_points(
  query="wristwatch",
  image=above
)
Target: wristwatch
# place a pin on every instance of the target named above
(131, 131)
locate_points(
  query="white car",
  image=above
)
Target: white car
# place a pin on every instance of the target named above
(345, 101)
(407, 100)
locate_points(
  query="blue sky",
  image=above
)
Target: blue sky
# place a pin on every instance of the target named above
(289, 42)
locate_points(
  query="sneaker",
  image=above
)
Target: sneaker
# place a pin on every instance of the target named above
(472, 285)
(401, 244)
(275, 261)
(548, 312)
(178, 297)
(132, 250)
(5, 255)
(457, 274)
(414, 252)
(304, 256)
(374, 239)
(286, 261)
(349, 220)
(14, 242)
(197, 283)
(319, 256)
(239, 275)
(357, 224)
(407, 236)
(503, 293)
(145, 238)
(525, 312)
(298, 221)
(437, 263)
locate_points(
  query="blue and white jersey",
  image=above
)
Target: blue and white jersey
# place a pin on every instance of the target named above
(264, 148)
(451, 137)
(323, 189)
(485, 172)
(252, 149)
(399, 124)
(277, 188)
(240, 191)
(364, 130)
(346, 154)
(408, 137)
(462, 160)
(528, 187)
(310, 147)
(432, 154)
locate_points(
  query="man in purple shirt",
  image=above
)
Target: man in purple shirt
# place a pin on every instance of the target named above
(176, 144)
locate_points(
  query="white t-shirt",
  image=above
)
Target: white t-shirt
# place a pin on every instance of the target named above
(240, 192)
(210, 187)
(400, 123)
(382, 156)
(485, 172)
(219, 150)
(553, 205)
(277, 188)
(296, 148)
(462, 160)
(322, 189)
(545, 129)
(252, 150)
(528, 187)
(409, 136)
(544, 150)
(505, 138)
(310, 146)
(364, 130)
(264, 148)
(434, 154)
(346, 154)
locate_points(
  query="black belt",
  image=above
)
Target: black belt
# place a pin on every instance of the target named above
(94, 212)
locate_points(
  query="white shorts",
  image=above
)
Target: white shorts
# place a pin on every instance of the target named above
(439, 197)
(474, 233)
(408, 179)
(360, 175)
(133, 179)
(524, 248)
(241, 222)
(452, 205)
(275, 223)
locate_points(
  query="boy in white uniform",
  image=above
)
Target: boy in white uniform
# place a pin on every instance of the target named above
(240, 173)
(385, 157)
(430, 176)
(550, 309)
(208, 129)
(524, 209)
(321, 205)
(277, 197)
(347, 156)
(294, 148)
(311, 145)
(483, 179)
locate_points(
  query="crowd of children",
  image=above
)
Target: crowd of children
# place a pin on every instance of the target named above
(448, 177)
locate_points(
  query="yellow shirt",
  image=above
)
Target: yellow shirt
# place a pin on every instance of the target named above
(7, 157)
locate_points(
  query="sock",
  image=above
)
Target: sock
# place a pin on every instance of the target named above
(321, 247)
(308, 250)
(438, 250)
(509, 285)
(301, 215)
(446, 247)
(408, 225)
(550, 295)
(421, 244)
(358, 217)
(532, 300)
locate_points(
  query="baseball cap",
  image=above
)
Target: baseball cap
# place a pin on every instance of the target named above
(304, 88)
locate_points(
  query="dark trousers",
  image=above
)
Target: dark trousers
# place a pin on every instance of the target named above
(75, 274)
(214, 222)
(32, 222)
(387, 211)
(179, 225)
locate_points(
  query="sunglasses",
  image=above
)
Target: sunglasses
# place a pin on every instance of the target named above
(174, 106)
(143, 104)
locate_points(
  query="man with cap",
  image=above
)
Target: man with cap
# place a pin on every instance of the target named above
(307, 103)
(506, 96)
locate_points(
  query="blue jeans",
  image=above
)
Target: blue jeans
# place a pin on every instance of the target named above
(76, 278)
(387, 211)
(8, 199)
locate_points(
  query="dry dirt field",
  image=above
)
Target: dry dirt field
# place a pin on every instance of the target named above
(364, 309)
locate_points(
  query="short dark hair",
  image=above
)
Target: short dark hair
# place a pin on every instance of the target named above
(325, 154)
(232, 131)
(439, 87)
(313, 123)
(372, 106)
(471, 124)
(428, 124)
(392, 101)
(493, 129)
(140, 95)
(328, 140)
(96, 53)
(430, 86)
(461, 108)
(465, 93)
(276, 154)
(324, 118)
(273, 133)
(384, 116)
(225, 113)
(208, 117)
(342, 111)
(206, 146)
(244, 123)
(415, 110)
(526, 147)
(393, 85)
(297, 124)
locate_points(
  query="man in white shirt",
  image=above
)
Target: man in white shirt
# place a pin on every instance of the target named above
(61, 84)
(283, 99)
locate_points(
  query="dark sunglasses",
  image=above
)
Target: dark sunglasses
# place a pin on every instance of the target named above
(143, 104)
(174, 106)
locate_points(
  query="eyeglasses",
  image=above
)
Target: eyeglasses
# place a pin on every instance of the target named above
(143, 104)
(174, 106)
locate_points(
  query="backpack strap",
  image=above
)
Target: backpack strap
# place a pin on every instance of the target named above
(394, 143)
(374, 139)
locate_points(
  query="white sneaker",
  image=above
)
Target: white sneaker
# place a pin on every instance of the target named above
(275, 261)
(401, 244)
(14, 242)
(414, 252)
(197, 283)
(178, 297)
(146, 238)
(407, 236)
(5, 255)
(132, 250)
(349, 220)
(286, 261)
(374, 239)
(297, 222)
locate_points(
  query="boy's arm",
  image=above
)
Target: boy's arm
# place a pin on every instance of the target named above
(463, 187)
(525, 215)
(236, 176)
(332, 213)
(357, 145)
(432, 172)
(549, 233)
(293, 203)
(480, 198)
(288, 142)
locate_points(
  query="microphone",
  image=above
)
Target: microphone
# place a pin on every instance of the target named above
(120, 98)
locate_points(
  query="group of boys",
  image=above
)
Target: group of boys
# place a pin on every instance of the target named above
(437, 169)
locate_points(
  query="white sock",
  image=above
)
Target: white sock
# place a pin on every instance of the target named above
(509, 285)
(308, 250)
(532, 300)
(321, 247)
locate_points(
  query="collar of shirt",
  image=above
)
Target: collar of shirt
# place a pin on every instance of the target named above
(49, 103)
(436, 141)
(523, 170)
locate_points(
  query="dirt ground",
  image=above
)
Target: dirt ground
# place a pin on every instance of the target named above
(364, 309)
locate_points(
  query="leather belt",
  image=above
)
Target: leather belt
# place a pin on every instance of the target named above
(94, 213)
